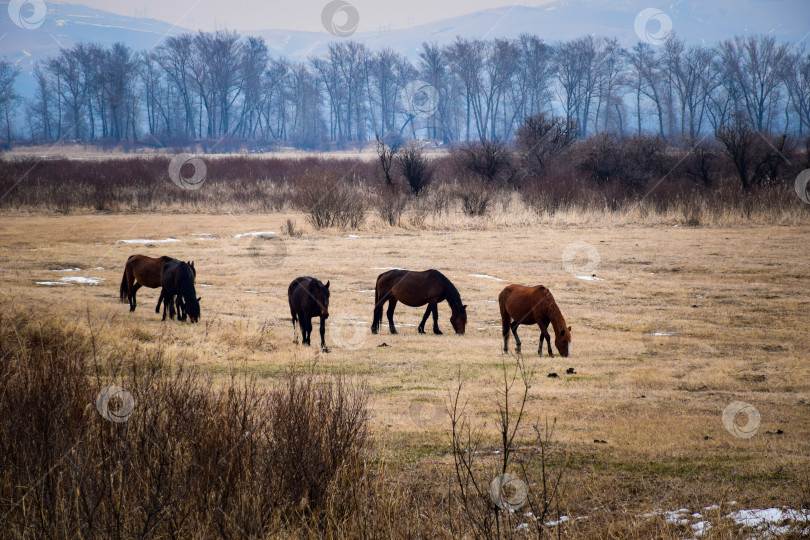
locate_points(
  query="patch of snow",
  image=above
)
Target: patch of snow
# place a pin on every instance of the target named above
(522, 526)
(767, 517)
(201, 234)
(67, 270)
(484, 276)
(147, 241)
(203, 285)
(252, 292)
(701, 527)
(51, 283)
(366, 290)
(352, 236)
(562, 519)
(664, 334)
(257, 233)
(83, 280)
(98, 268)
(589, 278)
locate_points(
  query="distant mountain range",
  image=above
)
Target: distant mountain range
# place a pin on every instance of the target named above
(700, 22)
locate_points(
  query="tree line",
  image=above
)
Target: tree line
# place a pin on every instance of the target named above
(227, 87)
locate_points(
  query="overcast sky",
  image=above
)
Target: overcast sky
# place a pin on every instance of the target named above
(294, 14)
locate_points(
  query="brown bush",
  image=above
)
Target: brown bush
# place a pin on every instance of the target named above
(331, 201)
(192, 460)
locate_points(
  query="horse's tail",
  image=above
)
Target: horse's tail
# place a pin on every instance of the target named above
(505, 318)
(124, 288)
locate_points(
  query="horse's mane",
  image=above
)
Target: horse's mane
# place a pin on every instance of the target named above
(452, 294)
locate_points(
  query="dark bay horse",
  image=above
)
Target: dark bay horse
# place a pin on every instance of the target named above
(178, 287)
(141, 271)
(417, 289)
(533, 305)
(309, 298)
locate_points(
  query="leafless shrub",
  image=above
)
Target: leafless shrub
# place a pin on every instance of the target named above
(499, 516)
(391, 203)
(291, 229)
(330, 201)
(190, 460)
(490, 161)
(475, 195)
(385, 154)
(543, 137)
(415, 167)
(758, 158)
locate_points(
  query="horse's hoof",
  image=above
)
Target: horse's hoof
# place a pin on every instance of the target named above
(325, 350)
(374, 331)
(394, 331)
(421, 330)
(438, 332)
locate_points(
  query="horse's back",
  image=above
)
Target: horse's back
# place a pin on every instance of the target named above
(524, 303)
(413, 288)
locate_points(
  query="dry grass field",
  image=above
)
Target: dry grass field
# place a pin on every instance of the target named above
(679, 323)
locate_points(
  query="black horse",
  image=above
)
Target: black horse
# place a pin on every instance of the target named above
(178, 289)
(309, 298)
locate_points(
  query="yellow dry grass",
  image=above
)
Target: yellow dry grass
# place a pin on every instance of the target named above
(735, 301)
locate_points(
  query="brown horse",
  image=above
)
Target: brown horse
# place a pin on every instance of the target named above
(417, 289)
(533, 305)
(142, 271)
(309, 298)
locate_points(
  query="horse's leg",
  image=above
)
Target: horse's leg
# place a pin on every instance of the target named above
(378, 312)
(544, 335)
(323, 332)
(166, 302)
(160, 299)
(295, 334)
(424, 318)
(181, 312)
(306, 330)
(505, 324)
(392, 303)
(133, 303)
(170, 301)
(436, 319)
(514, 327)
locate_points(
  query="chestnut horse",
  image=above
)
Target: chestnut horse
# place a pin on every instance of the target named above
(309, 298)
(417, 289)
(142, 271)
(533, 305)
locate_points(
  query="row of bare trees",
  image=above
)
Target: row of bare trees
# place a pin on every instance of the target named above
(224, 86)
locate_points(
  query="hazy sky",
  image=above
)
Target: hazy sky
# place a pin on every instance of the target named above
(294, 14)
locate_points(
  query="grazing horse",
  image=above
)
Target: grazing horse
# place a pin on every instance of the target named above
(417, 289)
(141, 271)
(533, 305)
(178, 286)
(309, 298)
